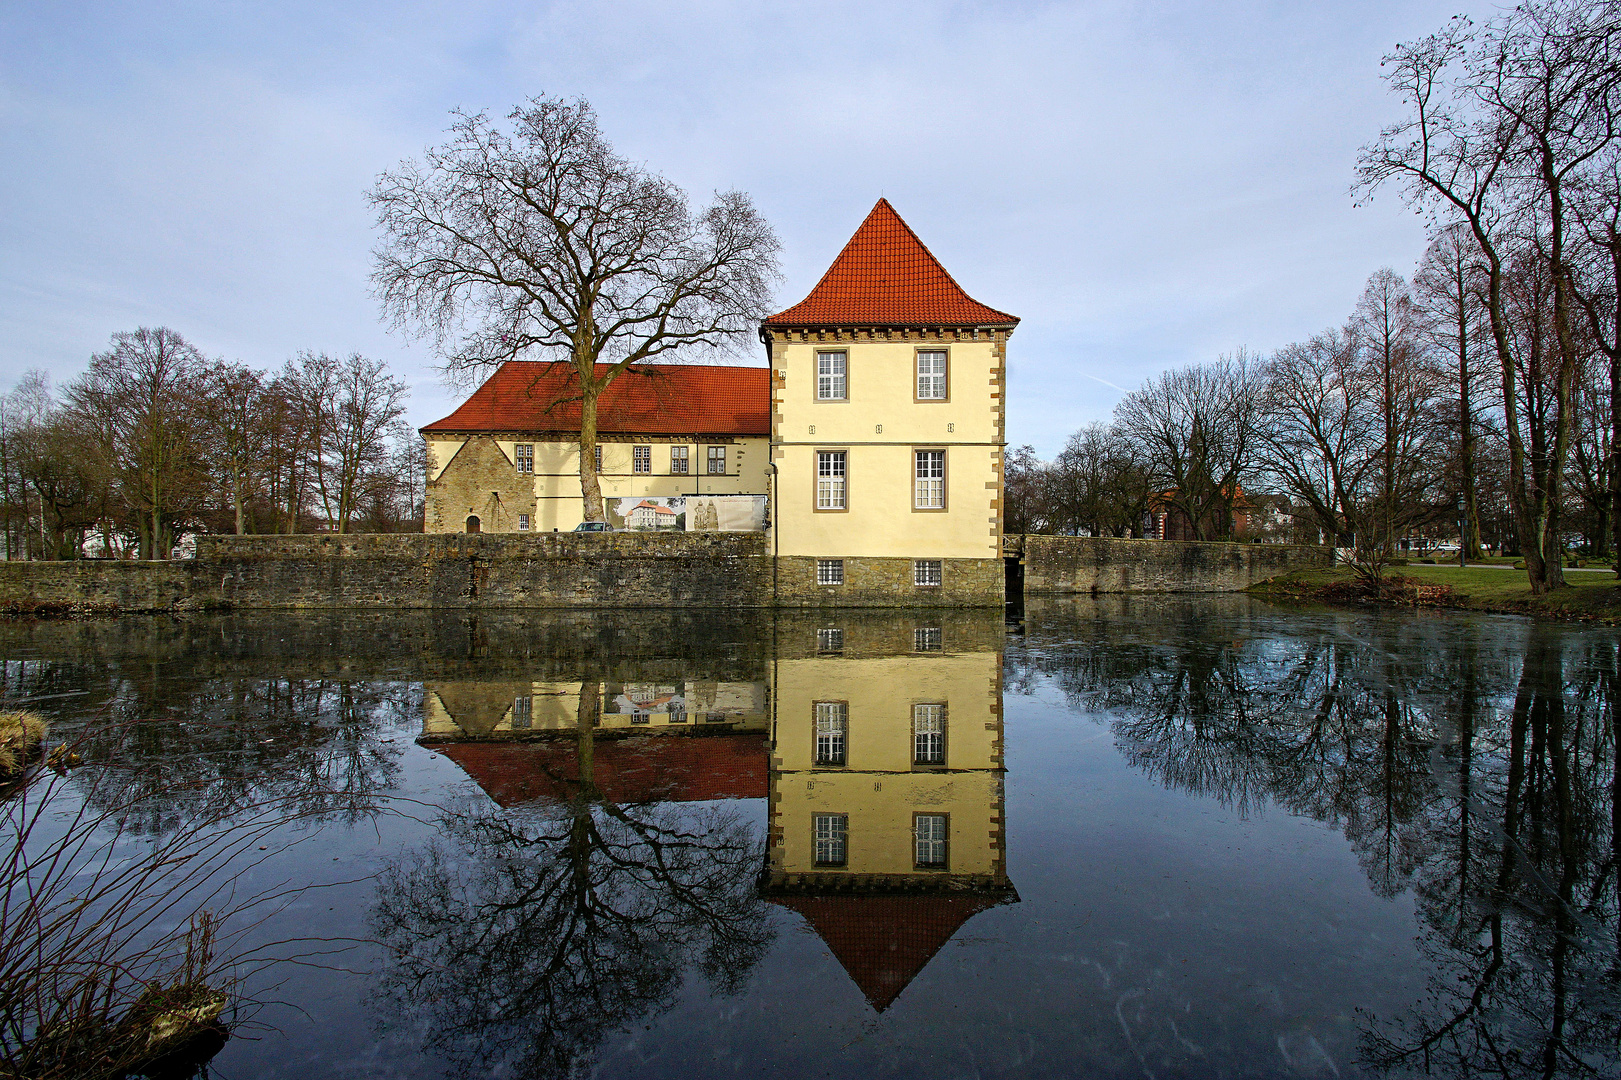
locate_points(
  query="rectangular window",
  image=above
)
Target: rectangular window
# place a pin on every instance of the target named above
(526, 457)
(931, 376)
(931, 831)
(523, 522)
(928, 734)
(523, 711)
(641, 459)
(830, 479)
(830, 641)
(678, 461)
(831, 838)
(830, 571)
(717, 461)
(832, 731)
(926, 572)
(598, 449)
(929, 481)
(830, 376)
(926, 639)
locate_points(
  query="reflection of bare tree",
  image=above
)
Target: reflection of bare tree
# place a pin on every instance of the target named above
(1520, 910)
(531, 935)
(202, 747)
(1484, 778)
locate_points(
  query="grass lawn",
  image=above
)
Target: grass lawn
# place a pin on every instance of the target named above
(1591, 596)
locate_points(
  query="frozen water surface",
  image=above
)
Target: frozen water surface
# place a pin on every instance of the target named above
(1145, 837)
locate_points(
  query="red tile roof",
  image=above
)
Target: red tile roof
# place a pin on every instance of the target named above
(884, 942)
(646, 399)
(648, 768)
(886, 277)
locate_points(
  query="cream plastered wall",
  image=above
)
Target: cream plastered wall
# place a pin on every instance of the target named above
(555, 706)
(879, 425)
(879, 787)
(557, 476)
(879, 810)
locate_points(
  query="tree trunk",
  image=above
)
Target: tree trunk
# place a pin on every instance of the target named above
(590, 487)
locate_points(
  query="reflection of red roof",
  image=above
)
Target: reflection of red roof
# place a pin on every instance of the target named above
(648, 768)
(886, 277)
(647, 399)
(655, 507)
(883, 942)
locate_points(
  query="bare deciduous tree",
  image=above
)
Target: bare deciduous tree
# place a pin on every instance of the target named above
(541, 241)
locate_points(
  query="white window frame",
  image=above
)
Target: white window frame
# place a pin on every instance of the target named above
(523, 711)
(929, 733)
(833, 376)
(928, 480)
(931, 840)
(927, 639)
(679, 460)
(928, 573)
(523, 522)
(832, 480)
(598, 456)
(931, 375)
(523, 455)
(831, 839)
(830, 640)
(641, 460)
(830, 571)
(715, 454)
(831, 732)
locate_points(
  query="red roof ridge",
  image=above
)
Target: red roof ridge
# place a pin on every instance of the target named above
(645, 399)
(886, 276)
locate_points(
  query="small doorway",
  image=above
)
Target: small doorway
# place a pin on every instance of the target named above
(472, 523)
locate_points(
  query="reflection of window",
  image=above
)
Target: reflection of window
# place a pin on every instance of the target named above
(523, 522)
(929, 734)
(931, 376)
(926, 571)
(832, 731)
(639, 717)
(677, 711)
(717, 461)
(526, 457)
(830, 376)
(929, 483)
(641, 459)
(830, 480)
(830, 641)
(523, 711)
(715, 718)
(931, 830)
(831, 832)
(926, 639)
(830, 571)
(678, 460)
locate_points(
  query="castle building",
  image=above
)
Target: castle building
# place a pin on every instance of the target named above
(876, 436)
(888, 424)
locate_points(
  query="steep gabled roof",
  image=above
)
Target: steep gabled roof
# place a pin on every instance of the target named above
(647, 399)
(647, 768)
(885, 276)
(884, 942)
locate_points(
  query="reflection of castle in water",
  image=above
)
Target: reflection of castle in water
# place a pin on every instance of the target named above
(886, 793)
(877, 743)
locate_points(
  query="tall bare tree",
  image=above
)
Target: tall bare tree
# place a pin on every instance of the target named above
(1197, 431)
(540, 241)
(142, 398)
(1501, 121)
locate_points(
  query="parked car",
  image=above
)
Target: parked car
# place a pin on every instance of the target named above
(593, 526)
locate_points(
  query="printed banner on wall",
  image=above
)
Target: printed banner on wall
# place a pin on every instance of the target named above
(692, 513)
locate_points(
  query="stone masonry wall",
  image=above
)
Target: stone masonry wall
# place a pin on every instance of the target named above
(890, 583)
(1066, 565)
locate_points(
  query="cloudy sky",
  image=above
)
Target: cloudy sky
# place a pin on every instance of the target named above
(1145, 185)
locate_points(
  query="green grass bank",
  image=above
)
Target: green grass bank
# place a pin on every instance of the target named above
(1592, 596)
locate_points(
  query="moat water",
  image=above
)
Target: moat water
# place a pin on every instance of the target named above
(1136, 837)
